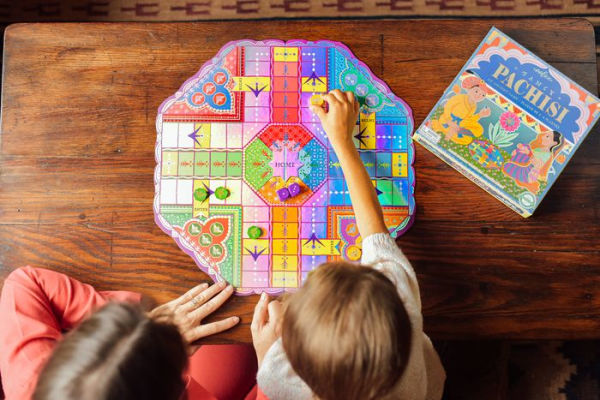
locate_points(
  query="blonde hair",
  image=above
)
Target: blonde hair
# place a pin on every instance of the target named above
(346, 332)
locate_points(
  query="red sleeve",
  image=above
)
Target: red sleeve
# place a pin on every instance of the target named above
(260, 395)
(195, 391)
(36, 306)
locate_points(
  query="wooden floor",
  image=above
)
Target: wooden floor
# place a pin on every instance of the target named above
(76, 186)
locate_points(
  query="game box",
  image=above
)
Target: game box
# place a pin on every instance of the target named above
(509, 122)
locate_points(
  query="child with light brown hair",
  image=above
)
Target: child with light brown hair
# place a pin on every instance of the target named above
(352, 332)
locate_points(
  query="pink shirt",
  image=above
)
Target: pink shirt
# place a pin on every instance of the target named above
(36, 307)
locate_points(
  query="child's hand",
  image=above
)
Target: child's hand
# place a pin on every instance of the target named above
(266, 325)
(339, 121)
(188, 311)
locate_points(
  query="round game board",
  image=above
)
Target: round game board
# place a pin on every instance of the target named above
(246, 180)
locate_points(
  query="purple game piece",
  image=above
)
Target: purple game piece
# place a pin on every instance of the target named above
(294, 189)
(283, 194)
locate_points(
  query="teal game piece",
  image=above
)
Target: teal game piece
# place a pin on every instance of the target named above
(254, 232)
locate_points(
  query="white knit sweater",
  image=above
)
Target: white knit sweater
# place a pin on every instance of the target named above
(424, 376)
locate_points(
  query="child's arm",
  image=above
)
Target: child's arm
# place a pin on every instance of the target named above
(338, 122)
(379, 249)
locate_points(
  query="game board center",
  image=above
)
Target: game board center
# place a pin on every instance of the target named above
(286, 161)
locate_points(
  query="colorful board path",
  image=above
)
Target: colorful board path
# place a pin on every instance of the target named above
(243, 123)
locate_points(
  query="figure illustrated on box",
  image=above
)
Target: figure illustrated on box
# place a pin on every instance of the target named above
(459, 121)
(530, 163)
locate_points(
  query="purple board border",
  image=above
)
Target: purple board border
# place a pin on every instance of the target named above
(206, 67)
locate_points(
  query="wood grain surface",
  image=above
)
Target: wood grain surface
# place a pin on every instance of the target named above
(79, 104)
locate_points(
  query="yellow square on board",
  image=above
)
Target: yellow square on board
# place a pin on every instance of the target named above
(249, 83)
(202, 140)
(285, 263)
(327, 247)
(285, 54)
(285, 214)
(169, 163)
(367, 131)
(255, 245)
(399, 164)
(285, 279)
(285, 246)
(283, 230)
(200, 207)
(314, 85)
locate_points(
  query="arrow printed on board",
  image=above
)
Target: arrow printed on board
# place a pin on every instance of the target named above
(314, 78)
(194, 135)
(360, 136)
(314, 240)
(255, 90)
(256, 253)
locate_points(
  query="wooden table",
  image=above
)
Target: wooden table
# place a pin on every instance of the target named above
(76, 184)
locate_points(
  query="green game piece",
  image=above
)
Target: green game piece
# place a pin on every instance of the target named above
(200, 194)
(254, 232)
(222, 193)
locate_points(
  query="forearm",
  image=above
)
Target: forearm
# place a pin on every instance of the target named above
(368, 212)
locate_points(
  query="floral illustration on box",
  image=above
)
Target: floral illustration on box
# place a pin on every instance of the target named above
(514, 150)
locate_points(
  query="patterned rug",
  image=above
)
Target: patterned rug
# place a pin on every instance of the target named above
(545, 370)
(185, 10)
(555, 371)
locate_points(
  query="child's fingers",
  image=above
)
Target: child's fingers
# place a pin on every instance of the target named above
(275, 315)
(350, 96)
(260, 313)
(339, 95)
(330, 99)
(274, 309)
(319, 111)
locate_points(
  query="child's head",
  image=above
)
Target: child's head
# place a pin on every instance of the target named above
(117, 353)
(346, 332)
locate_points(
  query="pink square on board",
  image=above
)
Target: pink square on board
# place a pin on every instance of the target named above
(256, 68)
(256, 214)
(308, 116)
(257, 114)
(255, 279)
(260, 100)
(250, 130)
(314, 214)
(305, 99)
(310, 263)
(260, 265)
(319, 229)
(318, 199)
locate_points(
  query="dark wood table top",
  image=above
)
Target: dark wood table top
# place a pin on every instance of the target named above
(77, 161)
